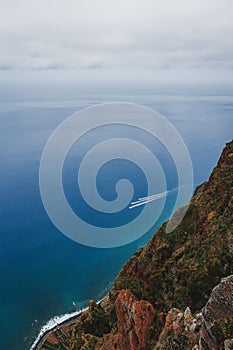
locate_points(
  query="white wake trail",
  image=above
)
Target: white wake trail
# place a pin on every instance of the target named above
(154, 197)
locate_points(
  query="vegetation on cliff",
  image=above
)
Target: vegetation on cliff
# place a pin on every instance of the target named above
(172, 272)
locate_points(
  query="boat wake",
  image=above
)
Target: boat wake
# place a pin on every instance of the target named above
(154, 197)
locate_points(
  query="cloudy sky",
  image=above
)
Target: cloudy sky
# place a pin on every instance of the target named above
(138, 38)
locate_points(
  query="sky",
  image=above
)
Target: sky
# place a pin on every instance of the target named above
(168, 41)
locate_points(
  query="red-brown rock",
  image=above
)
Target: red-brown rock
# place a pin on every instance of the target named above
(136, 321)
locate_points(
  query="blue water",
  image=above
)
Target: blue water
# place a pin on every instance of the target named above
(43, 273)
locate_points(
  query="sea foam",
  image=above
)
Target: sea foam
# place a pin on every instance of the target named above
(57, 321)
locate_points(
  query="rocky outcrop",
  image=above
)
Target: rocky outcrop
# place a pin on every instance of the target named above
(211, 329)
(135, 320)
(163, 297)
(180, 268)
(218, 316)
(179, 331)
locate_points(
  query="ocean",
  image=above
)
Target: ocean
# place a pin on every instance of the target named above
(43, 273)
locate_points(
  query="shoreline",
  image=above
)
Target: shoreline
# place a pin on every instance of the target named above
(57, 322)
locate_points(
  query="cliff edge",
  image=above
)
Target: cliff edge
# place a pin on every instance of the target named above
(177, 291)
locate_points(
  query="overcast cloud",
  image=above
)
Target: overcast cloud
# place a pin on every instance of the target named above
(140, 35)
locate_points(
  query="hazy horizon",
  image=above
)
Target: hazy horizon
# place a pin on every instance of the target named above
(161, 46)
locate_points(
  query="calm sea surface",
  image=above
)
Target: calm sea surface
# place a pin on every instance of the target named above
(43, 273)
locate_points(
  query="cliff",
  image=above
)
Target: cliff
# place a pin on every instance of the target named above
(165, 296)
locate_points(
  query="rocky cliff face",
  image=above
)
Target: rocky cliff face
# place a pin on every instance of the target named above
(136, 321)
(163, 298)
(211, 329)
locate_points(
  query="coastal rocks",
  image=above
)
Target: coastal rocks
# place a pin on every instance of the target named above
(212, 329)
(136, 322)
(228, 344)
(94, 321)
(83, 334)
(217, 315)
(179, 331)
(181, 267)
(147, 305)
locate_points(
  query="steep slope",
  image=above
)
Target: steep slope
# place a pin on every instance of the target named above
(172, 272)
(180, 268)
